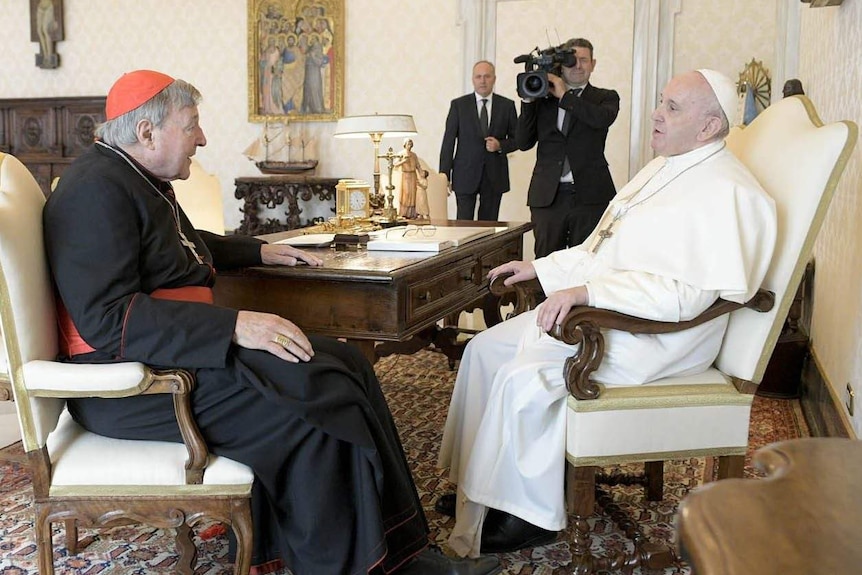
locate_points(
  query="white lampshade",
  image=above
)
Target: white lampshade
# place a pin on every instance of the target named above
(388, 125)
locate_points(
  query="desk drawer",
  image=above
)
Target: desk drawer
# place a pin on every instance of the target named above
(426, 297)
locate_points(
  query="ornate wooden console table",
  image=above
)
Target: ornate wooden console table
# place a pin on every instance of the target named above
(306, 197)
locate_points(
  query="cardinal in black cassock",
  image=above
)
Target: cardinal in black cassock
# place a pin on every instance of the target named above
(333, 492)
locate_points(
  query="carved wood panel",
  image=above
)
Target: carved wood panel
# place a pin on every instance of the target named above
(46, 134)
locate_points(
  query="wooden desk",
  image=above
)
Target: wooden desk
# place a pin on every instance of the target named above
(804, 518)
(306, 196)
(368, 297)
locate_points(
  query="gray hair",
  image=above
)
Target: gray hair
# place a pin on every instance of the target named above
(122, 130)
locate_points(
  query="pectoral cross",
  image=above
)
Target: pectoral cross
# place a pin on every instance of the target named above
(191, 246)
(605, 233)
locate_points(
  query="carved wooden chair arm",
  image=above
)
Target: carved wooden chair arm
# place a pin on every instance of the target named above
(583, 326)
(180, 384)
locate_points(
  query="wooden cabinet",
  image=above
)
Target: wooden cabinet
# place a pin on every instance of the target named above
(46, 134)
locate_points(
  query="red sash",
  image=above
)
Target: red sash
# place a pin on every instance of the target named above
(71, 342)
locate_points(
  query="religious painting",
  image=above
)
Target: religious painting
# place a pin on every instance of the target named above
(295, 60)
(46, 27)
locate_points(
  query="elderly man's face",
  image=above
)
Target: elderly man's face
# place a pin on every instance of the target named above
(680, 120)
(174, 144)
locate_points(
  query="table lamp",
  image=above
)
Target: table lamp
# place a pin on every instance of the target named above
(377, 127)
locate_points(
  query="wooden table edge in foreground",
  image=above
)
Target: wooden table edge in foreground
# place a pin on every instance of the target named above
(804, 517)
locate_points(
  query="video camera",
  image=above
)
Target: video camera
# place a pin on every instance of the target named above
(533, 82)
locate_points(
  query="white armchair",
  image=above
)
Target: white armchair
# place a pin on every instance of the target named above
(81, 478)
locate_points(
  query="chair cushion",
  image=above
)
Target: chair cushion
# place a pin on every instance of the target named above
(84, 463)
(674, 417)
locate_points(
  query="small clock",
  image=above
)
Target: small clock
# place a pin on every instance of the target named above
(352, 199)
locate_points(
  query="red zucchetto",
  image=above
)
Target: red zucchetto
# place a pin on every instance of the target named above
(133, 90)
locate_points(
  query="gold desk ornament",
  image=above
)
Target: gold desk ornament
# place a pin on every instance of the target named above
(352, 199)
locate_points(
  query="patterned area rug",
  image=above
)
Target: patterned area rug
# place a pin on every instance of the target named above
(418, 389)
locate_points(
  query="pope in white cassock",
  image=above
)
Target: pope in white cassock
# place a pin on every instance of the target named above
(692, 226)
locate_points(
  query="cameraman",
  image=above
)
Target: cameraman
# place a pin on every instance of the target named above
(571, 184)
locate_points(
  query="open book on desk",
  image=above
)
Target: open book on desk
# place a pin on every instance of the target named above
(419, 239)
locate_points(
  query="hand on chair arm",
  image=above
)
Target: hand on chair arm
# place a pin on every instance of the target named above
(554, 310)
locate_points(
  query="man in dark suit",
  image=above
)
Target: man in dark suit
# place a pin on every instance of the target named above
(571, 184)
(484, 126)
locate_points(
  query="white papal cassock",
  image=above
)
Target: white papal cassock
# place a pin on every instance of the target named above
(690, 228)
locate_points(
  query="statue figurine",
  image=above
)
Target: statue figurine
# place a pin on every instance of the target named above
(423, 212)
(48, 31)
(408, 162)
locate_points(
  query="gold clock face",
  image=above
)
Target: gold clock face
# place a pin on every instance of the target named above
(358, 201)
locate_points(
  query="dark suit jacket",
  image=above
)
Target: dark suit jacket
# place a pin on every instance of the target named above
(591, 115)
(464, 166)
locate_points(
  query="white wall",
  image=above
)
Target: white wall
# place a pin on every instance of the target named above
(724, 35)
(830, 67)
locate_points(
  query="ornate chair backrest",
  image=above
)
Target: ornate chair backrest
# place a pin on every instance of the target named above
(27, 309)
(200, 198)
(798, 160)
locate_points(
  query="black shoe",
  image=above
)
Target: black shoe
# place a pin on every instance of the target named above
(432, 562)
(504, 533)
(445, 504)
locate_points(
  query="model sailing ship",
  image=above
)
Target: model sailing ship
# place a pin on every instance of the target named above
(271, 151)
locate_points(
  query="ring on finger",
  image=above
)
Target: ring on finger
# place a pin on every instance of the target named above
(283, 340)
